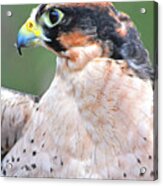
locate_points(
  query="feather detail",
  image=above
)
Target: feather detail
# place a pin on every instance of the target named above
(89, 124)
(16, 109)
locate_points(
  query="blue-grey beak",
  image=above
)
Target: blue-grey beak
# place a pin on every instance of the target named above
(29, 35)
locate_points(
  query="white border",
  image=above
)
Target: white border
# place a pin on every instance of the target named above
(53, 1)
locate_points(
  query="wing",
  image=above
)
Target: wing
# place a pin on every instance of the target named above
(16, 109)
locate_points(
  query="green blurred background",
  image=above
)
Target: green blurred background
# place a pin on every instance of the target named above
(34, 71)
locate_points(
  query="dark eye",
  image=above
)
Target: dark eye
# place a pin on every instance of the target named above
(52, 18)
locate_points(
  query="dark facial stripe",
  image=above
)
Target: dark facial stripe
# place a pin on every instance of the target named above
(40, 11)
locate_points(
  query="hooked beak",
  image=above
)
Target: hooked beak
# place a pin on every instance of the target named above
(30, 34)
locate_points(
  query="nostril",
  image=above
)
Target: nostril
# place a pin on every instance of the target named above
(30, 25)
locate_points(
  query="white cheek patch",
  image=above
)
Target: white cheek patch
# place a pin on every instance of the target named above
(34, 13)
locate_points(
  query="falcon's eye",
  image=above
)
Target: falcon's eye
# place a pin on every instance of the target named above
(52, 17)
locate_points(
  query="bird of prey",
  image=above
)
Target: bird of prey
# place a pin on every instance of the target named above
(96, 118)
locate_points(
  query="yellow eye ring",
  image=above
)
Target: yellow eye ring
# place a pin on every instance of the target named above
(52, 17)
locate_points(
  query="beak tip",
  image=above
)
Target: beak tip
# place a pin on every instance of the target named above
(19, 51)
(18, 47)
(21, 42)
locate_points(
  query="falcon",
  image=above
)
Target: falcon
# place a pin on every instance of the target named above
(96, 118)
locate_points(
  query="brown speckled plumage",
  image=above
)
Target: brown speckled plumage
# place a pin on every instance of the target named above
(15, 112)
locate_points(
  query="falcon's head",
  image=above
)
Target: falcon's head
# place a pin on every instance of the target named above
(62, 27)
